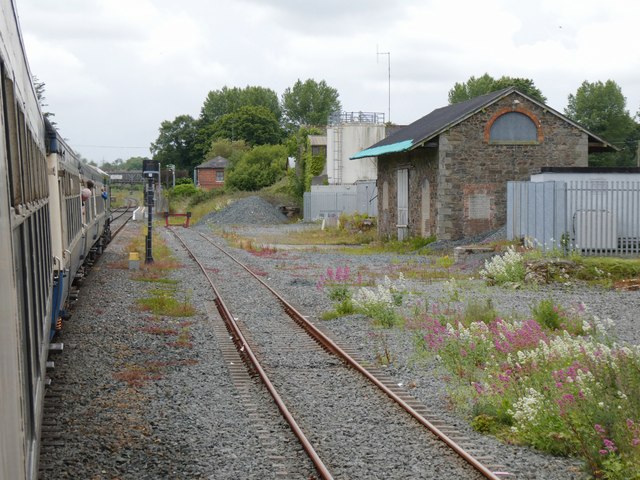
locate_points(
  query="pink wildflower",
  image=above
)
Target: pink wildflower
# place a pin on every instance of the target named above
(529, 335)
(330, 273)
(609, 445)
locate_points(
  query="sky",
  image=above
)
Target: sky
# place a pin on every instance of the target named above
(114, 70)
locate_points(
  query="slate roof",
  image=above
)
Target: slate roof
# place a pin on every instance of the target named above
(441, 119)
(217, 162)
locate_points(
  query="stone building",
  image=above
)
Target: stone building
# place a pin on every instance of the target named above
(210, 174)
(446, 173)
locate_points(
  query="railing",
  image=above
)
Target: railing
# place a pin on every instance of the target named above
(185, 224)
(337, 118)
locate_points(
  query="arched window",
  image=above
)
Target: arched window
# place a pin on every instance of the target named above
(513, 127)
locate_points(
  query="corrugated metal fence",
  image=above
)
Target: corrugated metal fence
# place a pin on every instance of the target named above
(595, 217)
(331, 200)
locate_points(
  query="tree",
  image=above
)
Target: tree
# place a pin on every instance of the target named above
(307, 164)
(310, 103)
(176, 143)
(475, 87)
(231, 150)
(229, 100)
(601, 108)
(254, 125)
(134, 163)
(260, 167)
(40, 88)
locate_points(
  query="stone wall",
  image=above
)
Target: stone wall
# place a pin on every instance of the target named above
(467, 175)
(422, 165)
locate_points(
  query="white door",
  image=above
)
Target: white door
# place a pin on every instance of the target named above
(403, 203)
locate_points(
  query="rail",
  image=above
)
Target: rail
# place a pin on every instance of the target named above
(247, 353)
(331, 346)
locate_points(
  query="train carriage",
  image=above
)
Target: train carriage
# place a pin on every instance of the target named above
(53, 218)
(80, 222)
(25, 249)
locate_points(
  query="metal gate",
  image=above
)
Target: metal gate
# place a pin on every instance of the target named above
(594, 217)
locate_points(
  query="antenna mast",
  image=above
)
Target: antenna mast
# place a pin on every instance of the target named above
(388, 54)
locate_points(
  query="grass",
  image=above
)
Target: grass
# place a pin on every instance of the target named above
(136, 375)
(328, 236)
(606, 270)
(119, 195)
(412, 245)
(164, 302)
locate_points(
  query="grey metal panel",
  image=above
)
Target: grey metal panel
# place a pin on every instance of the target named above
(536, 211)
(338, 199)
(367, 198)
(511, 209)
(306, 206)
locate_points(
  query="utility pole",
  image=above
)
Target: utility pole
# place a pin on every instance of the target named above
(173, 175)
(388, 54)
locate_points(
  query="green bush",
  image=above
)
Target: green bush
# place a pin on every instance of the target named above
(548, 314)
(184, 190)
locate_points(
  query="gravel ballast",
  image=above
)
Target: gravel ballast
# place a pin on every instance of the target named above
(134, 403)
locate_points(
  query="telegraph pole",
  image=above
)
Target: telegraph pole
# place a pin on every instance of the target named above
(173, 175)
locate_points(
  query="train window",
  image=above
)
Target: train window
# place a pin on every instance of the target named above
(29, 345)
(44, 258)
(38, 160)
(47, 236)
(42, 161)
(11, 134)
(27, 174)
(33, 265)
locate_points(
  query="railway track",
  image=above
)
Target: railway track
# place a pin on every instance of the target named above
(352, 422)
(52, 436)
(120, 218)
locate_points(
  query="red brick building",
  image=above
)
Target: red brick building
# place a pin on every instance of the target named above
(210, 174)
(446, 173)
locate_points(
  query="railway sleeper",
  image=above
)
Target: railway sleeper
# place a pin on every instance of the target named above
(56, 347)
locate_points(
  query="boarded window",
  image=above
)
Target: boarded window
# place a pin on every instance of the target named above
(479, 207)
(513, 127)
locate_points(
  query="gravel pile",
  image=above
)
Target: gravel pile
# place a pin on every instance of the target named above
(138, 396)
(247, 211)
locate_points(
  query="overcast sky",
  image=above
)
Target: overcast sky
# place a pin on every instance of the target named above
(115, 69)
